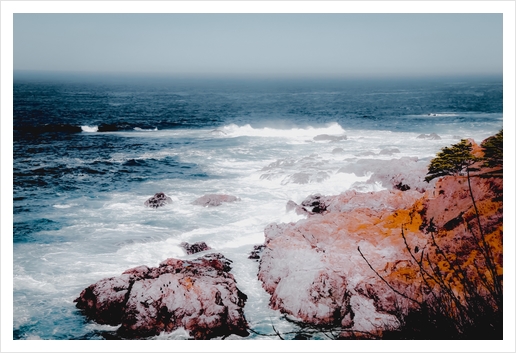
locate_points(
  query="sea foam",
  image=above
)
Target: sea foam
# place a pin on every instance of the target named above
(86, 128)
(310, 132)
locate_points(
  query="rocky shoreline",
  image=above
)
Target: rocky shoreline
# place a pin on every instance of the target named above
(356, 262)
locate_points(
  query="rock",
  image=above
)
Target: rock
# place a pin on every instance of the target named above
(158, 200)
(256, 253)
(401, 186)
(194, 248)
(432, 136)
(199, 296)
(314, 272)
(331, 138)
(211, 200)
(300, 178)
(315, 203)
(300, 210)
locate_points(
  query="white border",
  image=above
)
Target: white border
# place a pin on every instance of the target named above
(8, 8)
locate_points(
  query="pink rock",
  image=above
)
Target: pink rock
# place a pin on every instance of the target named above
(199, 295)
(314, 272)
(210, 200)
(312, 268)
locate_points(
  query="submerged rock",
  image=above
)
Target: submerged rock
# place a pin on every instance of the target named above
(432, 136)
(331, 138)
(158, 200)
(199, 295)
(211, 200)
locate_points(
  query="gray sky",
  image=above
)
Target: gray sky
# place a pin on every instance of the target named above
(262, 45)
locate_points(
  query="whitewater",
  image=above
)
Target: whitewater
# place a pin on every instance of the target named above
(82, 218)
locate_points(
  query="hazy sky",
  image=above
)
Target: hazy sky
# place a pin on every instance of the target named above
(289, 45)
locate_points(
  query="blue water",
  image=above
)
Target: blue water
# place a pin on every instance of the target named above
(88, 153)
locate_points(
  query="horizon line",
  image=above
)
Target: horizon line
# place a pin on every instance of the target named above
(70, 75)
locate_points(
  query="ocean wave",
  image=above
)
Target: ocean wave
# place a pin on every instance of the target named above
(440, 115)
(140, 129)
(309, 132)
(86, 128)
(64, 206)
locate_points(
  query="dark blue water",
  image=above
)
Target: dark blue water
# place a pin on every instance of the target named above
(62, 171)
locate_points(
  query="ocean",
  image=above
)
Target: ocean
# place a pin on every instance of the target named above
(89, 152)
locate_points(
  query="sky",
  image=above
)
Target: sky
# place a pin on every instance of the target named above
(261, 45)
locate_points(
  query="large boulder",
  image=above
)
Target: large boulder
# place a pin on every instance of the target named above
(200, 296)
(211, 200)
(158, 200)
(352, 265)
(312, 268)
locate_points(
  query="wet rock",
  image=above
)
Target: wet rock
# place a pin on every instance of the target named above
(199, 296)
(331, 138)
(158, 200)
(194, 248)
(211, 200)
(401, 186)
(300, 210)
(300, 178)
(315, 203)
(256, 253)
